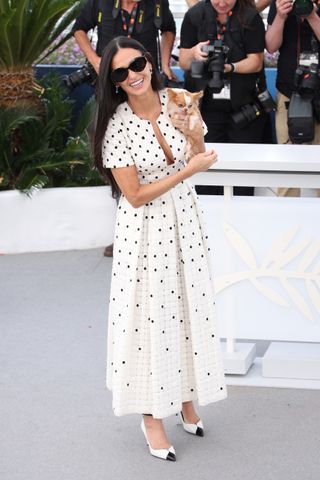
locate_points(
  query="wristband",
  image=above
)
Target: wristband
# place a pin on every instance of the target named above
(232, 67)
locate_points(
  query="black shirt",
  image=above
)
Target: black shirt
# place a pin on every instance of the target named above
(253, 37)
(88, 19)
(194, 30)
(288, 52)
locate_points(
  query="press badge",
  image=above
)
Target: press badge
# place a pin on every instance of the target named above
(307, 58)
(225, 93)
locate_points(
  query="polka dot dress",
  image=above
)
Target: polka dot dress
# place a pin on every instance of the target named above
(163, 347)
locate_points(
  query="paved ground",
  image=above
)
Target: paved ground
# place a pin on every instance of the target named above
(56, 417)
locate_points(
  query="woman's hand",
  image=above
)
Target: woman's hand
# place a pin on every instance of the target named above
(198, 54)
(202, 162)
(180, 121)
(188, 125)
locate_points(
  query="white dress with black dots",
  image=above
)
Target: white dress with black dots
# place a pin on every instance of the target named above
(163, 347)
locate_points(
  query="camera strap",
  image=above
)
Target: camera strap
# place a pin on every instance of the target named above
(137, 16)
(222, 28)
(128, 29)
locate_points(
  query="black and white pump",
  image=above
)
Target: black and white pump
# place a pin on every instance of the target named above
(194, 428)
(163, 453)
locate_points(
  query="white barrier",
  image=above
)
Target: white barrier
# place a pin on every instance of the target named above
(266, 250)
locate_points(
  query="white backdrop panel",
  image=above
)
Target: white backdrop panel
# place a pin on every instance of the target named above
(267, 266)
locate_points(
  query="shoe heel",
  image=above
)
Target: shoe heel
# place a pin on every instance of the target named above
(163, 453)
(193, 428)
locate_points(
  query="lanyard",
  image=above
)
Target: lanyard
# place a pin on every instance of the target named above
(129, 29)
(222, 27)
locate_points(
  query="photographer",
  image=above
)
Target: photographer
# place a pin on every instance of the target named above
(239, 28)
(139, 19)
(292, 35)
(294, 30)
(226, 38)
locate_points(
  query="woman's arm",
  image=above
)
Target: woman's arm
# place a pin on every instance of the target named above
(251, 64)
(186, 55)
(138, 194)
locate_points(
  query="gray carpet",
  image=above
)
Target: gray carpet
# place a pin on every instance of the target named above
(56, 416)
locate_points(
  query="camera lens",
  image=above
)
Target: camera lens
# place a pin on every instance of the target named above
(302, 8)
(85, 74)
(246, 115)
(197, 69)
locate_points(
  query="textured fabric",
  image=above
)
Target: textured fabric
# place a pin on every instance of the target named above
(163, 347)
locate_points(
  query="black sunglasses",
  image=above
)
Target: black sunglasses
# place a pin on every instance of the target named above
(137, 65)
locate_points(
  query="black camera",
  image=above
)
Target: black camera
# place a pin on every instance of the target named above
(304, 104)
(85, 74)
(302, 8)
(307, 80)
(251, 111)
(211, 70)
(266, 101)
(246, 114)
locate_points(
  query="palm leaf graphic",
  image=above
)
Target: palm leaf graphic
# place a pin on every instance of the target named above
(309, 256)
(268, 292)
(314, 294)
(291, 253)
(240, 245)
(297, 299)
(277, 247)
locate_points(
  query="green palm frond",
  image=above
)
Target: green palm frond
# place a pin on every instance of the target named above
(12, 118)
(30, 179)
(29, 27)
(85, 118)
(46, 150)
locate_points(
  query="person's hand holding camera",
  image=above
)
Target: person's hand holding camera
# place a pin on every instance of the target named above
(198, 54)
(284, 7)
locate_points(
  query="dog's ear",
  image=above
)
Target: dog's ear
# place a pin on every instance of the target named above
(198, 95)
(171, 93)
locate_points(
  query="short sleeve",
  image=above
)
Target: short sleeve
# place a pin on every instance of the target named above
(254, 37)
(188, 34)
(168, 23)
(87, 18)
(115, 148)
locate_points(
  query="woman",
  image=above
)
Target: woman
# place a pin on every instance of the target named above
(163, 351)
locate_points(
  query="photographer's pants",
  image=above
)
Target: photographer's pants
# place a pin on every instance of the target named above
(283, 138)
(222, 130)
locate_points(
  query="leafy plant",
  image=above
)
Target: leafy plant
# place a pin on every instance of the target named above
(27, 29)
(44, 149)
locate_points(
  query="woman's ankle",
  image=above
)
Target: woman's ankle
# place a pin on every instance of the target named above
(189, 412)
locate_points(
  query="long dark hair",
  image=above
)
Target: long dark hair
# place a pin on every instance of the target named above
(108, 100)
(242, 7)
